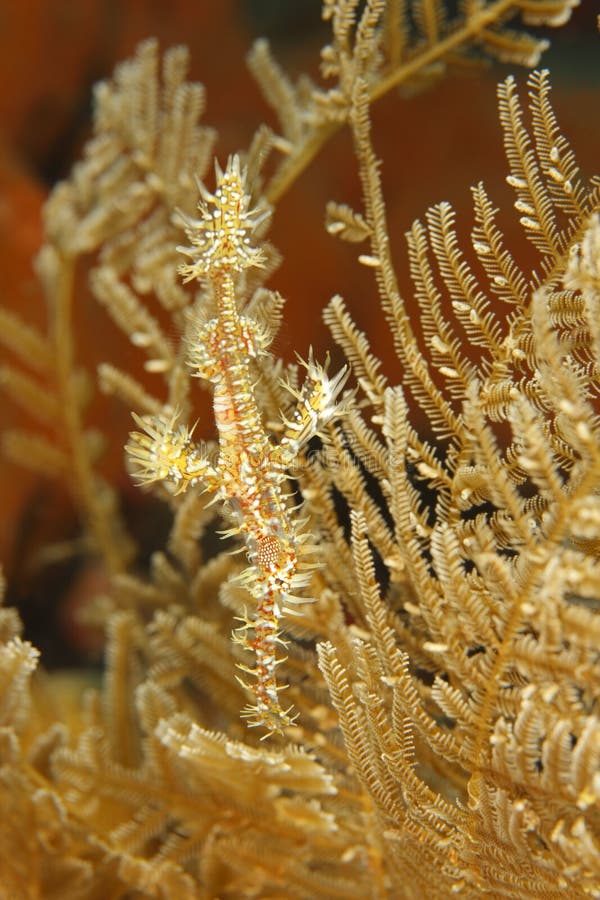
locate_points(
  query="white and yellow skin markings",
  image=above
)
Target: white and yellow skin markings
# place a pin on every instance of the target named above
(250, 471)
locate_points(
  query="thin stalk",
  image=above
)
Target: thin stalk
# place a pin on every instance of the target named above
(89, 493)
(292, 167)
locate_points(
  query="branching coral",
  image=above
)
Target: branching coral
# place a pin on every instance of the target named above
(445, 679)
